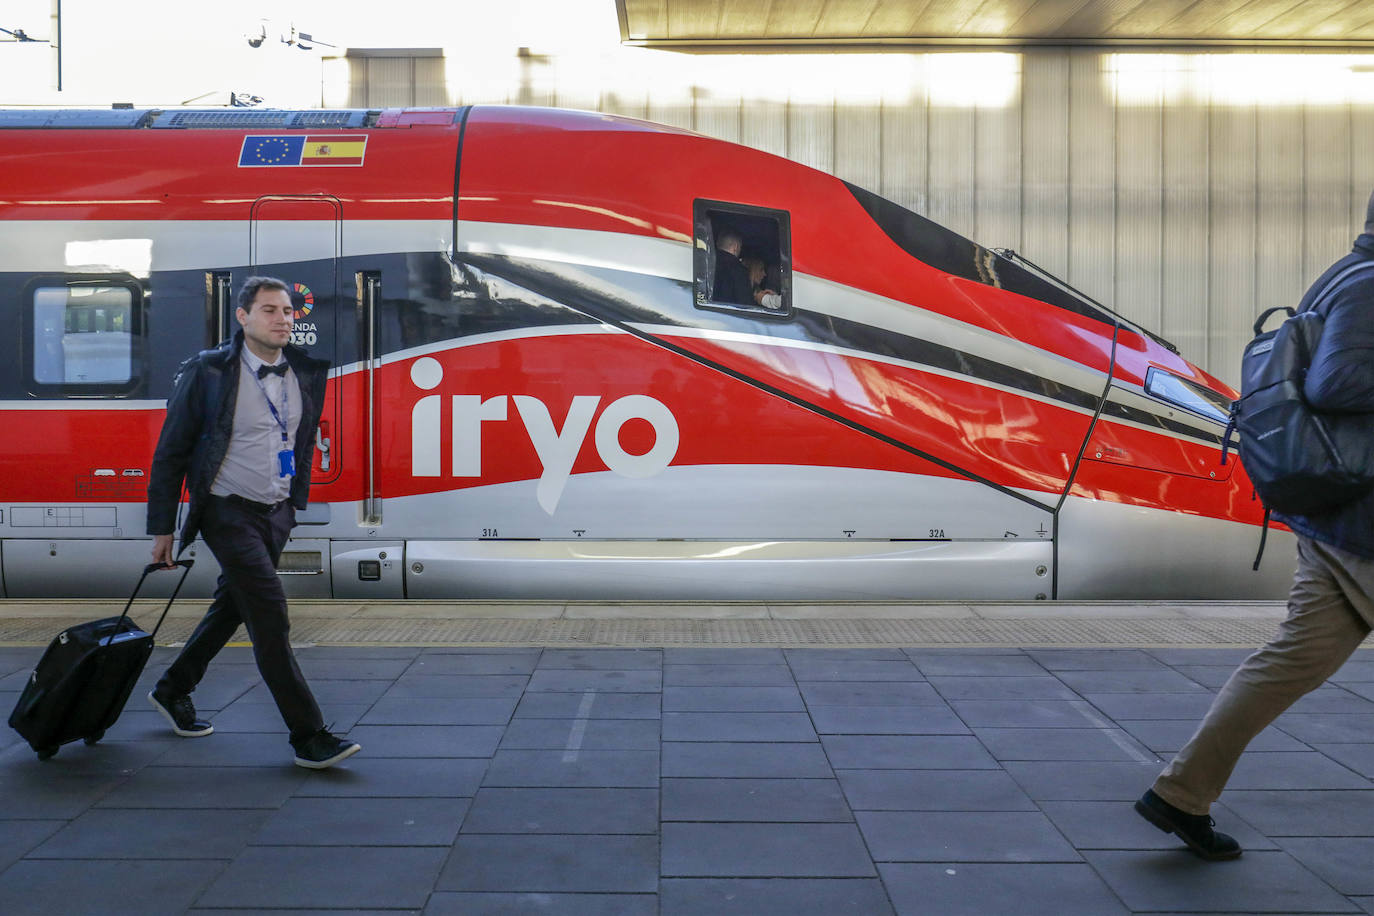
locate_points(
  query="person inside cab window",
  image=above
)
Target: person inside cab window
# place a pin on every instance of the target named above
(732, 277)
(759, 291)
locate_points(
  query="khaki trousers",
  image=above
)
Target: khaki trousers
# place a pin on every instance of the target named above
(1330, 611)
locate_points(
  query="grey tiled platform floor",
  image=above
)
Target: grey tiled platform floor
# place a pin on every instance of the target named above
(693, 781)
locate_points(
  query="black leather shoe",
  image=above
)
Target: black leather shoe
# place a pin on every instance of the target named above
(1194, 829)
(181, 713)
(322, 750)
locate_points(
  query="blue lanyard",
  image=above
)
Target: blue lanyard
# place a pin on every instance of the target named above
(285, 403)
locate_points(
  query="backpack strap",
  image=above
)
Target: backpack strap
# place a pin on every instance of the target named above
(1264, 316)
(1331, 288)
(1264, 535)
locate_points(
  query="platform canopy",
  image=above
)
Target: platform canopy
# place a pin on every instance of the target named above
(1343, 23)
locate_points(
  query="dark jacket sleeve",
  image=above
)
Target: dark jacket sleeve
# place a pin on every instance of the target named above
(731, 281)
(1341, 377)
(172, 459)
(314, 375)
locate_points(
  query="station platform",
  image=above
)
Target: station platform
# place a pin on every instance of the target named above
(677, 759)
(693, 624)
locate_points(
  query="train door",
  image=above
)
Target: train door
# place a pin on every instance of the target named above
(298, 240)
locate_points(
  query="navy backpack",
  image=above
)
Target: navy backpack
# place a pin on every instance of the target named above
(1301, 461)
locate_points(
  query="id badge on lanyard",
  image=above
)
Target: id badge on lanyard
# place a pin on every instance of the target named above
(286, 456)
(286, 463)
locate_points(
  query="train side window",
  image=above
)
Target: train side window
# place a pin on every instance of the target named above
(83, 337)
(1187, 394)
(742, 259)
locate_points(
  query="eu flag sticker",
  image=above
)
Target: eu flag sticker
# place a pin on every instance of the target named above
(271, 150)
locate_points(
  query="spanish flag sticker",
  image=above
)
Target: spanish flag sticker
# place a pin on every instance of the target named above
(334, 150)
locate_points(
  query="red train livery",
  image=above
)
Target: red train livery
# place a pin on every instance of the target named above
(545, 385)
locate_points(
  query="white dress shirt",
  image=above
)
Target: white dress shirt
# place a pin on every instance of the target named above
(250, 467)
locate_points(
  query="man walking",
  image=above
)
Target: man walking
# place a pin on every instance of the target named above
(1330, 604)
(240, 430)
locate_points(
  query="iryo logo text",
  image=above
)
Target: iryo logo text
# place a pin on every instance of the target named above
(556, 449)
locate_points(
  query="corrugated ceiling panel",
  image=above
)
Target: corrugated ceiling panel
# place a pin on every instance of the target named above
(1278, 193)
(740, 17)
(764, 126)
(947, 17)
(895, 18)
(905, 152)
(856, 11)
(1083, 21)
(646, 17)
(629, 102)
(794, 17)
(718, 115)
(1232, 227)
(1092, 179)
(811, 134)
(1361, 163)
(998, 176)
(390, 82)
(1045, 160)
(859, 144)
(671, 104)
(1139, 211)
(430, 82)
(1186, 244)
(952, 154)
(1327, 168)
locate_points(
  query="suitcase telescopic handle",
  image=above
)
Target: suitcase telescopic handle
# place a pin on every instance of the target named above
(154, 567)
(148, 570)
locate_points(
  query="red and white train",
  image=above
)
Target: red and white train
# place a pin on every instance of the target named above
(537, 395)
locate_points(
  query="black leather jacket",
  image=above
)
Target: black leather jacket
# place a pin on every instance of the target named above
(731, 280)
(200, 420)
(1341, 379)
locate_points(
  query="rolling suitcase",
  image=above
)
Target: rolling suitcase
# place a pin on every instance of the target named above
(83, 680)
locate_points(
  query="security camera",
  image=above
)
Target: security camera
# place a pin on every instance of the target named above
(255, 38)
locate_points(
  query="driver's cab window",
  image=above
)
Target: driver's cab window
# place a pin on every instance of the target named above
(742, 260)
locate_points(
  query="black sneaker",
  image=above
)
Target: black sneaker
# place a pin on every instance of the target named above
(322, 750)
(181, 712)
(1194, 829)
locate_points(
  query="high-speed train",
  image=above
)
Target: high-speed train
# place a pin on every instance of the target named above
(539, 390)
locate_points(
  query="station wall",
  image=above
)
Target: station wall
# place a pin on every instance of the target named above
(1187, 190)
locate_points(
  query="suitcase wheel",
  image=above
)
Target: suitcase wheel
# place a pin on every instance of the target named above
(45, 752)
(94, 739)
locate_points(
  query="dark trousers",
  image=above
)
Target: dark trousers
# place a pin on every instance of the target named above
(248, 545)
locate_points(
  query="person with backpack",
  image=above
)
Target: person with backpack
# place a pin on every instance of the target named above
(1331, 601)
